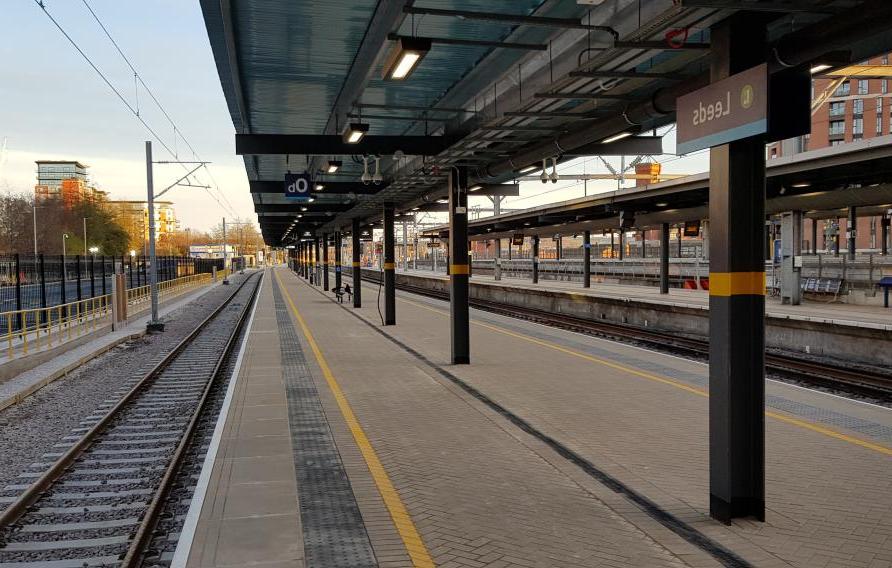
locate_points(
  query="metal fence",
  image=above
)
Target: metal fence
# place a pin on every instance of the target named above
(28, 282)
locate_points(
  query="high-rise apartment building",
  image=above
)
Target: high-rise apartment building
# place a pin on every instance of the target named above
(134, 217)
(63, 179)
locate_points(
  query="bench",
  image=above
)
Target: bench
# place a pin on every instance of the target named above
(822, 286)
(885, 283)
(339, 294)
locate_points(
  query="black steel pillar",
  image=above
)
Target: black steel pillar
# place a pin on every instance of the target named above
(325, 261)
(92, 276)
(104, 276)
(851, 229)
(337, 252)
(535, 258)
(317, 276)
(836, 239)
(357, 268)
(612, 244)
(814, 236)
(389, 268)
(559, 247)
(42, 282)
(622, 243)
(587, 259)
(664, 258)
(884, 234)
(459, 269)
(737, 296)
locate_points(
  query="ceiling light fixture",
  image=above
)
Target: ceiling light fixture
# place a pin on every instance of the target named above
(554, 175)
(475, 188)
(319, 187)
(528, 169)
(404, 57)
(543, 177)
(303, 208)
(662, 204)
(333, 166)
(365, 177)
(802, 184)
(616, 137)
(442, 201)
(355, 132)
(817, 68)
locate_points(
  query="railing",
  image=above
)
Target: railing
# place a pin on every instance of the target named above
(26, 331)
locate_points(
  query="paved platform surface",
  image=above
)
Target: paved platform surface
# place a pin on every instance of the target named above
(551, 449)
(810, 310)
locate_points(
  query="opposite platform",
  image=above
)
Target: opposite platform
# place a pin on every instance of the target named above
(551, 449)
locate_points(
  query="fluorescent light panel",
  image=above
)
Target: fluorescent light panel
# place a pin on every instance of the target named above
(616, 137)
(355, 132)
(404, 58)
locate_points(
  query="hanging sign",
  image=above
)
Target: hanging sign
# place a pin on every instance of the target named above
(724, 111)
(297, 186)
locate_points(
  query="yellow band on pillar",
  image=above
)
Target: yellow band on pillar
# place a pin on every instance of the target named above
(355, 265)
(458, 269)
(736, 283)
(389, 266)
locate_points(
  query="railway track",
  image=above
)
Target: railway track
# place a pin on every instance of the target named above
(866, 382)
(96, 502)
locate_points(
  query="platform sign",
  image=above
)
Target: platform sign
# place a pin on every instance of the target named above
(727, 110)
(517, 239)
(297, 187)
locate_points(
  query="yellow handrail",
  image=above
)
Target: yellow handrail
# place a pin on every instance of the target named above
(33, 328)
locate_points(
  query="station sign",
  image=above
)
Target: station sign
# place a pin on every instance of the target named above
(297, 186)
(517, 239)
(433, 245)
(727, 110)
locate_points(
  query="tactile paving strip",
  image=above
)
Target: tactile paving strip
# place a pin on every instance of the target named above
(334, 532)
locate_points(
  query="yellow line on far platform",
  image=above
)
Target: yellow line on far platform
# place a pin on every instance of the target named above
(415, 547)
(667, 381)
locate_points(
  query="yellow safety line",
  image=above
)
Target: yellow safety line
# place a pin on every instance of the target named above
(415, 547)
(695, 390)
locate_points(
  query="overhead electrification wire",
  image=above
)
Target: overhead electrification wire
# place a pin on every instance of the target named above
(176, 129)
(121, 97)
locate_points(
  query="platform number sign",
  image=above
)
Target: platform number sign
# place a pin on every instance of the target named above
(297, 186)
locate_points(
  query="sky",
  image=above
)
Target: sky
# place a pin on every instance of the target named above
(54, 106)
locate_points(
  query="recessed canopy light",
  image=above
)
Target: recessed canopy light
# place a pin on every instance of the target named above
(404, 58)
(802, 184)
(528, 169)
(475, 188)
(333, 166)
(303, 208)
(310, 200)
(442, 201)
(415, 209)
(818, 68)
(616, 137)
(662, 204)
(355, 132)
(319, 187)
(527, 224)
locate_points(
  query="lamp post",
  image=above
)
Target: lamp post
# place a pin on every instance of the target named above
(64, 238)
(85, 236)
(35, 229)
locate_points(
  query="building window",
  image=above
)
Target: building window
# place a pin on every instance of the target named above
(862, 86)
(885, 60)
(884, 86)
(836, 142)
(858, 126)
(858, 106)
(879, 124)
(837, 127)
(879, 105)
(842, 90)
(838, 108)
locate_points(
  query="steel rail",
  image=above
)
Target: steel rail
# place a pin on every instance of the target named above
(863, 381)
(34, 491)
(142, 537)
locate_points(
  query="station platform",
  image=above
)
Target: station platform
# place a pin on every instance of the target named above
(346, 443)
(819, 311)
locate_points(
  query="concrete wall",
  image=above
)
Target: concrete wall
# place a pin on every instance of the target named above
(844, 342)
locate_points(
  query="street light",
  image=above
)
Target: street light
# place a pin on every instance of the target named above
(132, 252)
(64, 238)
(94, 250)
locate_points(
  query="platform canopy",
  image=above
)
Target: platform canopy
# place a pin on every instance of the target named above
(497, 88)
